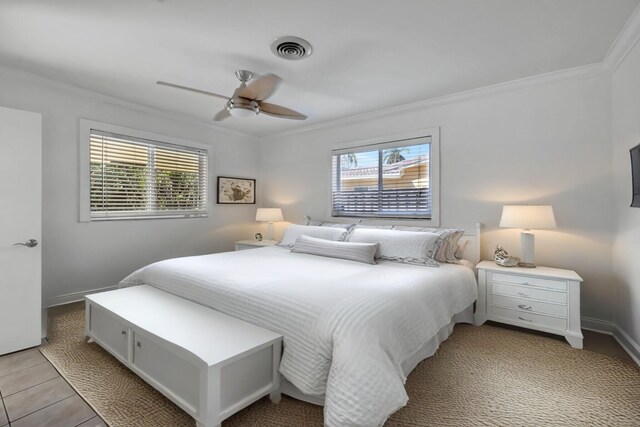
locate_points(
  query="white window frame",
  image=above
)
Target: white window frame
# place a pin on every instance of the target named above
(389, 141)
(85, 127)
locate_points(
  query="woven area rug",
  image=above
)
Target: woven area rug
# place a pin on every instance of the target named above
(486, 376)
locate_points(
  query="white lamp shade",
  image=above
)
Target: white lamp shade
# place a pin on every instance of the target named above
(269, 215)
(532, 217)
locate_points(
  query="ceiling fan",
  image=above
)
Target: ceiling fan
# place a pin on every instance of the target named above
(248, 100)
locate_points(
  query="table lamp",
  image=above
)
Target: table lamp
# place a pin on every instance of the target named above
(527, 217)
(269, 215)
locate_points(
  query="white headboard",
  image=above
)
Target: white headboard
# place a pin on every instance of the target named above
(472, 252)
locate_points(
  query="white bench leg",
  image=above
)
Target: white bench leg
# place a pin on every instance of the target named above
(199, 424)
(275, 396)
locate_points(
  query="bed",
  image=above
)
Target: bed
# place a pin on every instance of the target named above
(352, 331)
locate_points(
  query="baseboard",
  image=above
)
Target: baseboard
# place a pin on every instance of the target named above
(605, 327)
(629, 344)
(597, 325)
(74, 296)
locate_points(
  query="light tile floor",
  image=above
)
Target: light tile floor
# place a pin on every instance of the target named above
(33, 394)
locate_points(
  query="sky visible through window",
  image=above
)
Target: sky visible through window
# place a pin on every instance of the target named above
(370, 158)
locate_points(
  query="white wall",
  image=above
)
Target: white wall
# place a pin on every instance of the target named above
(545, 144)
(548, 144)
(626, 249)
(84, 256)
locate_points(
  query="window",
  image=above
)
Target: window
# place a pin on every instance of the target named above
(392, 179)
(132, 177)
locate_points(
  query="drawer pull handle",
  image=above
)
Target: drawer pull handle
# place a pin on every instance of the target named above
(524, 307)
(138, 344)
(525, 283)
(522, 294)
(124, 332)
(526, 320)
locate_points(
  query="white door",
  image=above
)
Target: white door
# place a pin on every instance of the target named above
(20, 221)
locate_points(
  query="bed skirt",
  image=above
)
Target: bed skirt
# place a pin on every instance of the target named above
(427, 350)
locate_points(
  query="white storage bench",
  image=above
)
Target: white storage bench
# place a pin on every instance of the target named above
(210, 364)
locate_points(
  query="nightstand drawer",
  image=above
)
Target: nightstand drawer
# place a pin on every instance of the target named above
(523, 291)
(530, 306)
(530, 281)
(527, 319)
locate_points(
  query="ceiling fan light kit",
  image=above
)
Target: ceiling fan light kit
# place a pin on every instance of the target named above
(239, 107)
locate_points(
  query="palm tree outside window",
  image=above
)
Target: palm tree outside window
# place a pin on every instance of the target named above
(383, 182)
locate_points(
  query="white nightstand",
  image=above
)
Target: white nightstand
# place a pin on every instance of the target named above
(542, 298)
(253, 244)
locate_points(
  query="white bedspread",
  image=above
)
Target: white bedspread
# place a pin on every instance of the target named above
(347, 326)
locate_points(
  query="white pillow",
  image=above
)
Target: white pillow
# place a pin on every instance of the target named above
(462, 246)
(375, 226)
(361, 252)
(321, 223)
(410, 247)
(446, 251)
(328, 233)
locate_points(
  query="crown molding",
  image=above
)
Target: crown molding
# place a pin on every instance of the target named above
(33, 78)
(583, 71)
(626, 40)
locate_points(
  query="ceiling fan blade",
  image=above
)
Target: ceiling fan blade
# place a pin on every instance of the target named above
(280, 111)
(221, 115)
(261, 88)
(202, 92)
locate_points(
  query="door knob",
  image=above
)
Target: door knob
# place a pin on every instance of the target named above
(31, 243)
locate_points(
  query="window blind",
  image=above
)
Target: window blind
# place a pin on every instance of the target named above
(383, 180)
(134, 177)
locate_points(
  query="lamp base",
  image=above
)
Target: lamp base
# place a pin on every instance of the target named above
(526, 265)
(527, 241)
(270, 231)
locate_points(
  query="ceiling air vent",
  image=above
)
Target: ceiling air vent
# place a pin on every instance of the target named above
(291, 48)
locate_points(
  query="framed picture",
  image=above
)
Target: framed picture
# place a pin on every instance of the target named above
(635, 176)
(236, 190)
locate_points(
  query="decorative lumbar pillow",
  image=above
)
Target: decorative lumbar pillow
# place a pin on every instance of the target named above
(361, 252)
(328, 233)
(410, 247)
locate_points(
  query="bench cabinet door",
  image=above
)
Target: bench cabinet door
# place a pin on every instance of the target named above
(109, 331)
(176, 378)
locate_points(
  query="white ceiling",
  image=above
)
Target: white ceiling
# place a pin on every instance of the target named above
(368, 54)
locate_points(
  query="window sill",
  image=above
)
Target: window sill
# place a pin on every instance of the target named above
(128, 218)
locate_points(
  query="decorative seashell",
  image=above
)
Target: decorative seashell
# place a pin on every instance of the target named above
(502, 258)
